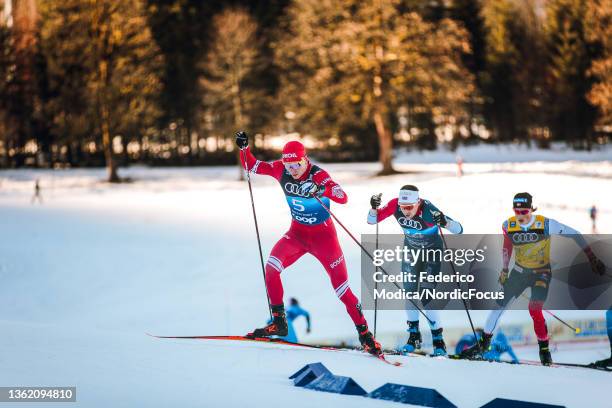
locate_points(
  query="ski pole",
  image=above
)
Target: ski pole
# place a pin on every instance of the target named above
(263, 269)
(576, 330)
(376, 283)
(459, 286)
(368, 254)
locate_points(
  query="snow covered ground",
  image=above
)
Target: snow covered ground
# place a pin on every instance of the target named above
(128, 369)
(85, 275)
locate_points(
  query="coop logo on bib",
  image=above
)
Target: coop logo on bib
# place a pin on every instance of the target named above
(305, 220)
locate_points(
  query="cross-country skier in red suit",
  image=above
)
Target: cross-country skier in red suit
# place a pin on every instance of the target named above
(312, 231)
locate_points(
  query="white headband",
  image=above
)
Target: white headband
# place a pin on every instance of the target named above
(408, 197)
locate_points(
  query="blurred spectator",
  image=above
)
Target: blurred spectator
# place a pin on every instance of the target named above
(593, 215)
(459, 165)
(37, 195)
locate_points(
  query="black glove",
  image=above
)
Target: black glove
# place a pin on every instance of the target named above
(310, 189)
(597, 266)
(242, 140)
(439, 218)
(375, 201)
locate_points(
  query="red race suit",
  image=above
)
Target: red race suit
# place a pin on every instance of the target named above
(312, 231)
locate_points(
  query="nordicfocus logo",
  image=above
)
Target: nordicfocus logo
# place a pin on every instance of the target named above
(294, 189)
(407, 222)
(336, 262)
(305, 220)
(289, 156)
(524, 237)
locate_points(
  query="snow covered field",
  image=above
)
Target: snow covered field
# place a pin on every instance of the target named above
(85, 275)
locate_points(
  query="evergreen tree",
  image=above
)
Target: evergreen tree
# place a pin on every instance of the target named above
(182, 30)
(6, 73)
(599, 32)
(512, 80)
(571, 116)
(24, 102)
(360, 61)
(469, 14)
(105, 50)
(232, 95)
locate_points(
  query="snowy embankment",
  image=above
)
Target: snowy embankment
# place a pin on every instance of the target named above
(88, 273)
(122, 369)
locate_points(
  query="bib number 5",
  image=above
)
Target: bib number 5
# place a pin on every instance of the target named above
(297, 204)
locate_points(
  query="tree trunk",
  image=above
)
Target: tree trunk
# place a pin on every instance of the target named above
(103, 106)
(385, 142)
(108, 146)
(125, 158)
(238, 119)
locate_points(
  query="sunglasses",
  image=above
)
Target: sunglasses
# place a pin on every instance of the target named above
(293, 166)
(519, 211)
(408, 206)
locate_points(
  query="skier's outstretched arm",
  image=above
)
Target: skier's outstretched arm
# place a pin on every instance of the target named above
(307, 316)
(333, 191)
(250, 162)
(302, 312)
(444, 221)
(453, 226)
(512, 355)
(274, 168)
(376, 215)
(557, 228)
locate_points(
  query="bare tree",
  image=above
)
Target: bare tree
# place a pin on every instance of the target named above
(230, 92)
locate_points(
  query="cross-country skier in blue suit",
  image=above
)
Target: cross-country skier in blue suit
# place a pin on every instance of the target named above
(293, 312)
(499, 346)
(421, 222)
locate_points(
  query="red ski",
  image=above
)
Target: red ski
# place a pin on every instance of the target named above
(380, 357)
(245, 338)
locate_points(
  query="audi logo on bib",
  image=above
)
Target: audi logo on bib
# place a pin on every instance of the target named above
(294, 189)
(524, 237)
(407, 222)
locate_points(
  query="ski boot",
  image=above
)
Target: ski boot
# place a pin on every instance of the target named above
(545, 356)
(439, 348)
(483, 344)
(367, 340)
(414, 339)
(278, 326)
(605, 363)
